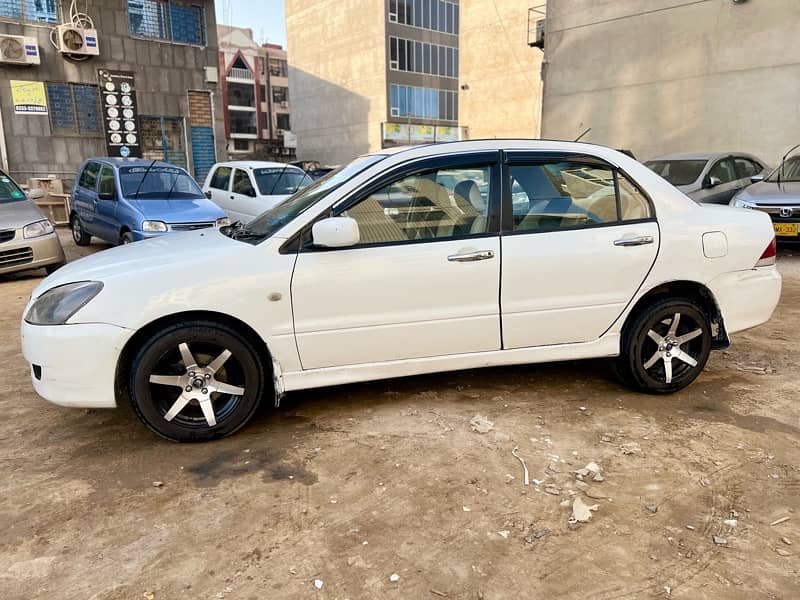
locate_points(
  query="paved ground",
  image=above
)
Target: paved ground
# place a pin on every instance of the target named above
(354, 484)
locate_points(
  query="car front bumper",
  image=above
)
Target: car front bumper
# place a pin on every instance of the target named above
(747, 298)
(21, 254)
(74, 365)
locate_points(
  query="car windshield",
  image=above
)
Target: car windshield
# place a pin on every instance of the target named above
(158, 182)
(272, 220)
(790, 171)
(678, 172)
(275, 181)
(9, 192)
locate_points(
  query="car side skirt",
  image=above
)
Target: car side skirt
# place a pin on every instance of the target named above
(605, 347)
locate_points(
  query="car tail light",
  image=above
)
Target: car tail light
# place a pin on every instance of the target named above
(768, 257)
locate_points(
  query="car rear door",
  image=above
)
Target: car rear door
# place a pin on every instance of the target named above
(422, 282)
(84, 198)
(578, 241)
(219, 185)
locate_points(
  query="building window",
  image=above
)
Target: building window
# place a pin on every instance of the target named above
(280, 94)
(74, 109)
(423, 103)
(167, 21)
(422, 57)
(278, 67)
(241, 146)
(36, 11)
(283, 122)
(434, 15)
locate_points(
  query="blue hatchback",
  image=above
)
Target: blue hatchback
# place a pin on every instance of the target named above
(124, 200)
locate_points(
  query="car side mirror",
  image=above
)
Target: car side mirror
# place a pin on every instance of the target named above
(208, 194)
(712, 182)
(36, 194)
(106, 196)
(757, 178)
(335, 232)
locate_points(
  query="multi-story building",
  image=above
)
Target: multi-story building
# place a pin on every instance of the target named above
(120, 77)
(372, 74)
(255, 90)
(660, 76)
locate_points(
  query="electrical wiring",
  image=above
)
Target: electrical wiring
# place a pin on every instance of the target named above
(78, 18)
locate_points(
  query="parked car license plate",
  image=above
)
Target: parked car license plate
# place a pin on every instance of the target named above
(786, 229)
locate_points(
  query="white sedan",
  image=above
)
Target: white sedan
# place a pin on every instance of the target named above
(407, 261)
(246, 188)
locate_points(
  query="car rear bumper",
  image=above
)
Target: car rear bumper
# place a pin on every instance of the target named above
(747, 298)
(21, 254)
(74, 365)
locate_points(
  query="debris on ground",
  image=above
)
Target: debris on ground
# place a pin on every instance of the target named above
(754, 369)
(466, 509)
(318, 583)
(438, 593)
(581, 512)
(606, 438)
(504, 534)
(501, 437)
(552, 489)
(526, 480)
(782, 552)
(394, 577)
(537, 534)
(481, 424)
(653, 508)
(779, 521)
(731, 522)
(158, 483)
(690, 527)
(719, 540)
(786, 541)
(148, 596)
(631, 448)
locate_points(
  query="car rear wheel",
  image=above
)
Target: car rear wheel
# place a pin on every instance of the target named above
(78, 234)
(665, 347)
(196, 381)
(126, 238)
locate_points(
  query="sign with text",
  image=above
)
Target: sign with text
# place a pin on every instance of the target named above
(120, 115)
(28, 98)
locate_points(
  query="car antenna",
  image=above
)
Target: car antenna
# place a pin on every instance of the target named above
(274, 185)
(783, 162)
(138, 187)
(580, 137)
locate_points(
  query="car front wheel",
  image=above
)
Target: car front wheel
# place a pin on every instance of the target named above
(665, 347)
(196, 381)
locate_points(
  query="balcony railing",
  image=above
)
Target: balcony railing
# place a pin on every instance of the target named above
(238, 73)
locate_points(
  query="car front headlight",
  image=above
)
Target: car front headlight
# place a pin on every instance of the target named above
(742, 203)
(154, 226)
(37, 229)
(223, 222)
(58, 304)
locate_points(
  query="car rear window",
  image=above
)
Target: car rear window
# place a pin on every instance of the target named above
(678, 172)
(9, 191)
(158, 182)
(280, 182)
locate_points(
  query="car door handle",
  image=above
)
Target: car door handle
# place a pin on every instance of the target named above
(471, 256)
(641, 240)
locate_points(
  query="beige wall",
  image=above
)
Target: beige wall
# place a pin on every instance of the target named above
(501, 70)
(662, 76)
(337, 77)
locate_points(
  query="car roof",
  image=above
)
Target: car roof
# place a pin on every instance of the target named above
(131, 162)
(700, 156)
(256, 164)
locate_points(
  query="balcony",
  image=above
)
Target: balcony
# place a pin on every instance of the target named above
(243, 124)
(242, 95)
(240, 74)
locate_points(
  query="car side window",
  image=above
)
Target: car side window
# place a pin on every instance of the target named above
(221, 178)
(746, 167)
(430, 205)
(572, 194)
(724, 170)
(88, 178)
(242, 183)
(108, 184)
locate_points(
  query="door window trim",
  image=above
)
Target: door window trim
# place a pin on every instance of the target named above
(531, 157)
(99, 166)
(300, 242)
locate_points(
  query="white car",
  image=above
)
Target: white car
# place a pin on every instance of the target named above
(245, 189)
(402, 263)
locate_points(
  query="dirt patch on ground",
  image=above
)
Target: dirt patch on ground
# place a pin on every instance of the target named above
(352, 485)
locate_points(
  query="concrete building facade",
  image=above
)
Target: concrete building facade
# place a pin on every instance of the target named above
(664, 76)
(55, 113)
(367, 75)
(255, 92)
(501, 84)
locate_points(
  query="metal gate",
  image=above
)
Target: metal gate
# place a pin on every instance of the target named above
(163, 138)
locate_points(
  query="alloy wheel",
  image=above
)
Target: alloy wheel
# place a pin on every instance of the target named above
(673, 348)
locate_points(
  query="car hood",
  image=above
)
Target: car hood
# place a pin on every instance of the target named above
(767, 192)
(15, 215)
(178, 210)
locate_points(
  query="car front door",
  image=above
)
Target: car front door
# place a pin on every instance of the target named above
(721, 183)
(84, 198)
(578, 241)
(422, 282)
(219, 186)
(244, 203)
(745, 169)
(108, 225)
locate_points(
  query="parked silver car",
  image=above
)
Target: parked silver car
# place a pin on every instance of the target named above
(27, 239)
(709, 177)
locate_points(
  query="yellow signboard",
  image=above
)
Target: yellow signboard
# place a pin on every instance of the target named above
(28, 98)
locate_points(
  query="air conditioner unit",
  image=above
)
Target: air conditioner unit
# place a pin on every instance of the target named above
(538, 41)
(19, 50)
(77, 40)
(285, 104)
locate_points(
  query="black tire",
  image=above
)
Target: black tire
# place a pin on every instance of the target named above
(643, 362)
(161, 355)
(53, 268)
(126, 238)
(79, 234)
